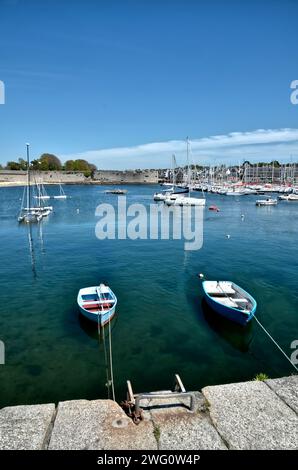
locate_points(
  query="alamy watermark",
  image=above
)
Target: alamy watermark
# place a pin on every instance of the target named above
(294, 94)
(153, 222)
(2, 92)
(2, 353)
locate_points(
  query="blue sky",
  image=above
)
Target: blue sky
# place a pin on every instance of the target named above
(122, 83)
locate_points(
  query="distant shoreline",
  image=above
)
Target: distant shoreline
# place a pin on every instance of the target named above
(100, 177)
(8, 184)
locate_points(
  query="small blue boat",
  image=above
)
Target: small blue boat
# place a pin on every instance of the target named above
(230, 301)
(97, 303)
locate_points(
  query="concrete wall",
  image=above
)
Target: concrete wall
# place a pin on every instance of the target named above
(128, 176)
(20, 177)
(68, 177)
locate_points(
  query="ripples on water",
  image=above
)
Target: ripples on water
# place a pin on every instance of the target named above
(162, 326)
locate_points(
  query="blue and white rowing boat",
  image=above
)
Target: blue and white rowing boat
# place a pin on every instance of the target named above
(97, 303)
(230, 301)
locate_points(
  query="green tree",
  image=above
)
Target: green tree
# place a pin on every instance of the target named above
(49, 162)
(69, 165)
(23, 164)
(13, 166)
(35, 164)
(81, 165)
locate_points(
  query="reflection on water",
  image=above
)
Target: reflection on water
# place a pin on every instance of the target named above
(31, 250)
(238, 336)
(91, 329)
(34, 234)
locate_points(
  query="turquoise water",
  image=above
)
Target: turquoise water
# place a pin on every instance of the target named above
(162, 325)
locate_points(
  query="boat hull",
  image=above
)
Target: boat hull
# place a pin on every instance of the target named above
(97, 303)
(232, 314)
(190, 201)
(261, 203)
(30, 218)
(104, 317)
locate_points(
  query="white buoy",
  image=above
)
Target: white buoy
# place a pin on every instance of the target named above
(228, 236)
(78, 211)
(242, 216)
(201, 276)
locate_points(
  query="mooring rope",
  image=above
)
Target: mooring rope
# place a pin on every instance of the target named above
(108, 361)
(276, 344)
(111, 362)
(100, 331)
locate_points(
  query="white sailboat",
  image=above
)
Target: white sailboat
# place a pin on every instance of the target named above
(41, 192)
(186, 201)
(174, 191)
(28, 214)
(62, 194)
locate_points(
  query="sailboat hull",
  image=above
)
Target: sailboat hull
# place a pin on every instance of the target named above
(29, 218)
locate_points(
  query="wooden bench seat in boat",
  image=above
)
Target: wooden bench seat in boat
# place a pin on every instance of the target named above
(221, 289)
(227, 302)
(241, 301)
(98, 305)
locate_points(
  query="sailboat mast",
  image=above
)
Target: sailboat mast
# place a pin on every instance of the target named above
(28, 179)
(173, 169)
(188, 168)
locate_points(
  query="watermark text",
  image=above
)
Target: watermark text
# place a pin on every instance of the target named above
(2, 92)
(294, 94)
(139, 222)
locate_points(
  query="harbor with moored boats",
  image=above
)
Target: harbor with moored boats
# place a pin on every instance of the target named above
(162, 311)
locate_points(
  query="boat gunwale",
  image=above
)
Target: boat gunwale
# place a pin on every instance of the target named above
(100, 312)
(253, 301)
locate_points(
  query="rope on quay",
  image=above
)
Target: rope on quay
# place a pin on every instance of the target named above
(276, 344)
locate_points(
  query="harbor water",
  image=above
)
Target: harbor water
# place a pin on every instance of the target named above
(162, 324)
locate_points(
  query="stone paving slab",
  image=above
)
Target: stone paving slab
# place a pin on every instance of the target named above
(26, 427)
(249, 415)
(186, 432)
(178, 428)
(287, 389)
(98, 425)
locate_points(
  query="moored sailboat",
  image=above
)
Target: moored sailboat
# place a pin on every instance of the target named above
(41, 192)
(186, 201)
(28, 214)
(62, 194)
(174, 190)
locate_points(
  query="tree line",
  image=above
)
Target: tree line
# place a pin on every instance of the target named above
(49, 162)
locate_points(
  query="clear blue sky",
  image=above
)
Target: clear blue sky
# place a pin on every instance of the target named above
(89, 75)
